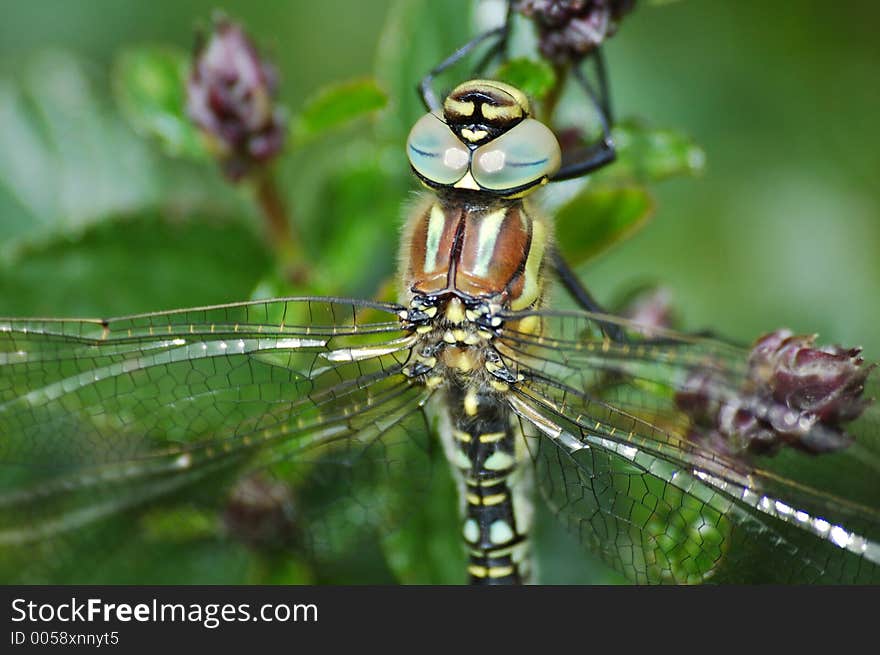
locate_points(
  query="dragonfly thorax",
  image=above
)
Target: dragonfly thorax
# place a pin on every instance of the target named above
(481, 253)
(455, 344)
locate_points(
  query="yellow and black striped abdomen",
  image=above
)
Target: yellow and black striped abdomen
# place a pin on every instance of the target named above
(497, 512)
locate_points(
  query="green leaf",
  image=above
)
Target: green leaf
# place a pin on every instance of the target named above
(534, 77)
(337, 105)
(597, 218)
(681, 540)
(142, 263)
(179, 524)
(649, 154)
(558, 557)
(150, 86)
(357, 223)
(67, 159)
(284, 568)
(115, 551)
(428, 548)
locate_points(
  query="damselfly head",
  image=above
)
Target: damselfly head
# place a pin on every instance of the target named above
(485, 140)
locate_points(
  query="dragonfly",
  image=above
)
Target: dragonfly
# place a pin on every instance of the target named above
(663, 453)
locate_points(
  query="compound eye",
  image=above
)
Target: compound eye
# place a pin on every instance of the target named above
(435, 152)
(523, 155)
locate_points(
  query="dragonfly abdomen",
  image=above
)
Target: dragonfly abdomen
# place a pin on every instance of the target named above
(496, 514)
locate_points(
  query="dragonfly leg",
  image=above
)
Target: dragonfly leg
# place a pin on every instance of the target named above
(426, 90)
(500, 46)
(584, 298)
(604, 96)
(603, 152)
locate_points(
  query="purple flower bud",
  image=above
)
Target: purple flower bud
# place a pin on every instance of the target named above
(794, 394)
(650, 307)
(699, 399)
(230, 96)
(570, 29)
(827, 381)
(571, 138)
(259, 511)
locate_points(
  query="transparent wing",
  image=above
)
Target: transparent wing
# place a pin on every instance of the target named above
(632, 476)
(99, 417)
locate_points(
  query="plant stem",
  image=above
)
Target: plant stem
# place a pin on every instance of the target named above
(280, 230)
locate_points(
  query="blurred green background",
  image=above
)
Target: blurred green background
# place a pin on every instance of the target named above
(781, 229)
